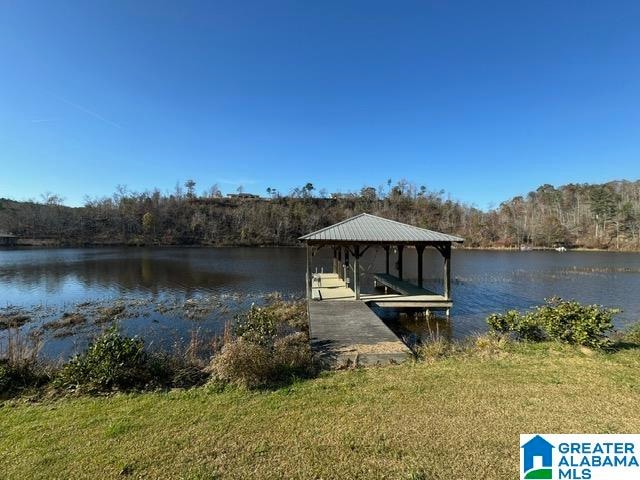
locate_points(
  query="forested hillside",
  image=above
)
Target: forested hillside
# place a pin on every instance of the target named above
(591, 216)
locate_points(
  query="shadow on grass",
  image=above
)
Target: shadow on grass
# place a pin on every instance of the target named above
(623, 345)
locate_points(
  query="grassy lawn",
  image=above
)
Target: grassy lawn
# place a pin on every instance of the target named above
(457, 418)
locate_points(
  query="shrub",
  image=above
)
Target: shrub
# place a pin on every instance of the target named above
(293, 357)
(267, 349)
(243, 363)
(115, 362)
(523, 327)
(571, 322)
(264, 324)
(434, 349)
(292, 313)
(252, 365)
(632, 334)
(258, 325)
(112, 362)
(18, 376)
(564, 321)
(175, 371)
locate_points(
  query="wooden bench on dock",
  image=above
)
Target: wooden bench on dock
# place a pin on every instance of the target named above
(405, 295)
(398, 285)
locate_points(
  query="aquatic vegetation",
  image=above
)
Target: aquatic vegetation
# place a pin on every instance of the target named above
(85, 318)
(110, 313)
(116, 362)
(13, 318)
(68, 320)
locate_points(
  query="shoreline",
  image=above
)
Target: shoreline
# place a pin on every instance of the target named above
(25, 244)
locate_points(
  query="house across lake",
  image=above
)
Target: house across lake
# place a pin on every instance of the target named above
(7, 240)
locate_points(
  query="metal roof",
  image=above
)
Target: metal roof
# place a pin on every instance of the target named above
(365, 228)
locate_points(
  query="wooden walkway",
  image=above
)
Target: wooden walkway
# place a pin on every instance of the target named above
(349, 333)
(345, 331)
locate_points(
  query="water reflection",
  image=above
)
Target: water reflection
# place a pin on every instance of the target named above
(123, 272)
(416, 326)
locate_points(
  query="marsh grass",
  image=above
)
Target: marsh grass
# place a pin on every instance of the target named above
(13, 318)
(436, 347)
(20, 369)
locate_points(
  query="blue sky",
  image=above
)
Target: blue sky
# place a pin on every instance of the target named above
(485, 100)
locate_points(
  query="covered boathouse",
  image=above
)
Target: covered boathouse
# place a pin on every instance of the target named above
(343, 329)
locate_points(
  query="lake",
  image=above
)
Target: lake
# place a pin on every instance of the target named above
(166, 295)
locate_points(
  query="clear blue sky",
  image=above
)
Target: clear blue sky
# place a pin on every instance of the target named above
(483, 99)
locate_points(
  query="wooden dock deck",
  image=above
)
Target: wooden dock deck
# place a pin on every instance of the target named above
(329, 286)
(350, 333)
(406, 295)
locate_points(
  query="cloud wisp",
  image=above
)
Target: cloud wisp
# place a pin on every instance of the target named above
(237, 181)
(45, 120)
(90, 112)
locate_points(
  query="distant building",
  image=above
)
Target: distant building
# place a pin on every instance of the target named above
(242, 195)
(342, 195)
(7, 239)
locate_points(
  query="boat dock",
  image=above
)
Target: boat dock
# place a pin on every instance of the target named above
(343, 328)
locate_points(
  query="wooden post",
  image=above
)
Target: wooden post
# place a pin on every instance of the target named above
(308, 275)
(446, 252)
(356, 271)
(420, 251)
(346, 266)
(400, 248)
(334, 266)
(340, 273)
(386, 252)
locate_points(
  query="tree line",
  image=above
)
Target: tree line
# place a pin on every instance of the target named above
(575, 215)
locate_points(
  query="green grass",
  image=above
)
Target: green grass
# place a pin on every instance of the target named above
(456, 418)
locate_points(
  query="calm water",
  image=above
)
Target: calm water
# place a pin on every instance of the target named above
(55, 281)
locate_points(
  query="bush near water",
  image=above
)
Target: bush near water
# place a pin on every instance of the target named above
(267, 349)
(564, 321)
